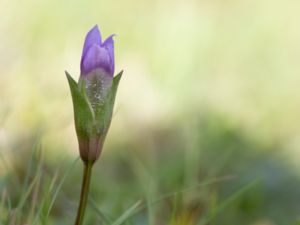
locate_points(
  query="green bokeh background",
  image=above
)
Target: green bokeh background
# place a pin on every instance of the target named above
(210, 90)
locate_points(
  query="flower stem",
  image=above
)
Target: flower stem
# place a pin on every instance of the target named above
(84, 192)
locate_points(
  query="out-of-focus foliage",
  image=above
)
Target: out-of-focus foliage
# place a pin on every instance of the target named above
(209, 92)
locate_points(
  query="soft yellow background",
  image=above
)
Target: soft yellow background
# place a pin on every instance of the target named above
(237, 57)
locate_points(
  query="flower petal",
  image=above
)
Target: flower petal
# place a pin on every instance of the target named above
(97, 57)
(92, 37)
(109, 45)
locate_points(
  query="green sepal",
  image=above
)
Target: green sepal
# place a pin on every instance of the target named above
(83, 114)
(105, 111)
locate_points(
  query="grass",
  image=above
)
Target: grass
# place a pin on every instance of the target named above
(34, 206)
(168, 186)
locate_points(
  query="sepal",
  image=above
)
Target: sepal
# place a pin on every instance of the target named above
(104, 112)
(83, 114)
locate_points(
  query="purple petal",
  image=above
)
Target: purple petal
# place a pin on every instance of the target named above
(109, 46)
(92, 37)
(97, 57)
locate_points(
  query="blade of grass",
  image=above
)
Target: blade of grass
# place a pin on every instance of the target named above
(46, 195)
(127, 214)
(3, 197)
(9, 203)
(26, 187)
(34, 202)
(2, 205)
(103, 217)
(174, 209)
(13, 218)
(196, 186)
(150, 210)
(168, 195)
(230, 199)
(36, 190)
(27, 193)
(35, 152)
(69, 169)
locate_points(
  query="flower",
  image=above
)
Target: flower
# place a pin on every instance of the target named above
(94, 94)
(97, 66)
(97, 54)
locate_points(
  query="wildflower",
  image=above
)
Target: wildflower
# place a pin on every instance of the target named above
(94, 94)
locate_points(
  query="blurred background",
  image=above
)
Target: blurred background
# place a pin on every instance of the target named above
(206, 124)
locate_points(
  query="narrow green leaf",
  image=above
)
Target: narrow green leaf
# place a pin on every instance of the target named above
(83, 114)
(59, 186)
(103, 217)
(45, 197)
(127, 214)
(228, 201)
(172, 194)
(25, 196)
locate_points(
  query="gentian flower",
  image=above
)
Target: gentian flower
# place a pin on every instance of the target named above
(94, 94)
(93, 102)
(97, 54)
(97, 66)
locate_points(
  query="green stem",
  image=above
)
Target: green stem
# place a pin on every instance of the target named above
(84, 192)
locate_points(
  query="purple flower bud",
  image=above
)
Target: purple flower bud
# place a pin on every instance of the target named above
(97, 67)
(94, 94)
(97, 55)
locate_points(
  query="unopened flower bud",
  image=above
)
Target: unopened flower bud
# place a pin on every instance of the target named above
(94, 95)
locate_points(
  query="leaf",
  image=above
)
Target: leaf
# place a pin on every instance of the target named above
(102, 216)
(126, 214)
(59, 186)
(228, 201)
(83, 114)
